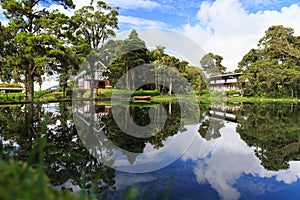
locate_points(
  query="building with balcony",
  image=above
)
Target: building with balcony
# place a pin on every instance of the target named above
(224, 82)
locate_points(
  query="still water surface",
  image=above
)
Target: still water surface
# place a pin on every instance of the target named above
(242, 151)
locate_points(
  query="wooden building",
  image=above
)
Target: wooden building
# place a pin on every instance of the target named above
(88, 77)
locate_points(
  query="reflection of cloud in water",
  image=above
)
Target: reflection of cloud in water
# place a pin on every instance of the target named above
(128, 180)
(153, 159)
(221, 162)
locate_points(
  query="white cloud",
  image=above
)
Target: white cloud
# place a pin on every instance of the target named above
(134, 4)
(124, 4)
(61, 9)
(136, 22)
(226, 28)
(230, 158)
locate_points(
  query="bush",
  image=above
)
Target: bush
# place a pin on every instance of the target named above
(232, 92)
(204, 92)
(19, 181)
(41, 93)
(12, 96)
(146, 93)
(10, 85)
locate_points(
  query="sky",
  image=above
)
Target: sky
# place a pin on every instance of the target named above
(229, 28)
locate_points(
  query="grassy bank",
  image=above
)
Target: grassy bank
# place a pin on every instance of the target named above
(261, 99)
(39, 97)
(105, 95)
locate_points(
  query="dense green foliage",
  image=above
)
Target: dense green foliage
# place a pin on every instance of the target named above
(273, 69)
(132, 52)
(273, 131)
(64, 157)
(19, 181)
(11, 97)
(12, 85)
(39, 42)
(211, 64)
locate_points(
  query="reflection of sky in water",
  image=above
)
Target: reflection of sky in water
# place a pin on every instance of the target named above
(153, 158)
(225, 168)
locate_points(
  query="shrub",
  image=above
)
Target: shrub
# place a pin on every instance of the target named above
(232, 92)
(19, 181)
(146, 93)
(204, 92)
(12, 96)
(41, 93)
(10, 85)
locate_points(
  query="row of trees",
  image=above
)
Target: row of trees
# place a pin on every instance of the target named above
(37, 41)
(273, 68)
(121, 56)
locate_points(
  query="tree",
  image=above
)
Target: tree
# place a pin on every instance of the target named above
(75, 51)
(94, 26)
(195, 77)
(4, 75)
(271, 129)
(211, 64)
(279, 43)
(131, 53)
(273, 68)
(33, 49)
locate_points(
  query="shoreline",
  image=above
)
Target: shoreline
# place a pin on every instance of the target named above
(205, 99)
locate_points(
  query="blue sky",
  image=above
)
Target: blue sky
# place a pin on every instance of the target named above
(176, 13)
(229, 28)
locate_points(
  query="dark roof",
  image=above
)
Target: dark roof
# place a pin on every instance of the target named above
(222, 75)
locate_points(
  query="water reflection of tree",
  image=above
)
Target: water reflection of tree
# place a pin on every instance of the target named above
(140, 116)
(209, 127)
(273, 129)
(65, 157)
(19, 124)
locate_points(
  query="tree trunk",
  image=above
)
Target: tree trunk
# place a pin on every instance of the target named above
(132, 79)
(170, 86)
(26, 84)
(92, 83)
(64, 91)
(30, 87)
(199, 87)
(170, 108)
(127, 78)
(31, 130)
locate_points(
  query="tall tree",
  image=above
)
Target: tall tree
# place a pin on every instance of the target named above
(59, 25)
(33, 49)
(131, 53)
(211, 64)
(195, 77)
(273, 69)
(94, 26)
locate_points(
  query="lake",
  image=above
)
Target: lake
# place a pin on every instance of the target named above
(232, 151)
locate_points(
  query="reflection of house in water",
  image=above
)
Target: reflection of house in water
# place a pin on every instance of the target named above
(224, 112)
(99, 81)
(86, 113)
(224, 82)
(102, 110)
